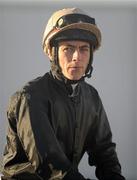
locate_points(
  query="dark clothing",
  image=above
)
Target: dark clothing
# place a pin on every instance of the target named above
(51, 127)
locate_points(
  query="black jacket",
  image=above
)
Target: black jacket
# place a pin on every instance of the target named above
(51, 127)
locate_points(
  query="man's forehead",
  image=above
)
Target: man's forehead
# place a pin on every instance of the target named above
(74, 43)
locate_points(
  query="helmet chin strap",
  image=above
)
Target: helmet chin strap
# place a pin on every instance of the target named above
(89, 74)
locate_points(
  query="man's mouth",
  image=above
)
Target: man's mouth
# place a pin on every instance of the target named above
(74, 67)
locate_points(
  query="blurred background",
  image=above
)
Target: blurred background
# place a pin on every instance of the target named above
(115, 64)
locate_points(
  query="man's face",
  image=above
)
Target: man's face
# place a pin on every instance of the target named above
(73, 58)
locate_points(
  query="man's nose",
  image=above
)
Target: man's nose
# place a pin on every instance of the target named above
(76, 55)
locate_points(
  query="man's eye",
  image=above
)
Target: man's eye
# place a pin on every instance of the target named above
(68, 49)
(84, 49)
(65, 49)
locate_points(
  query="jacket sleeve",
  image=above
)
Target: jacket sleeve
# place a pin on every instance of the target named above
(101, 149)
(31, 135)
(15, 158)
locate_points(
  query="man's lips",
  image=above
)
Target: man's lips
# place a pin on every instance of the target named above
(75, 67)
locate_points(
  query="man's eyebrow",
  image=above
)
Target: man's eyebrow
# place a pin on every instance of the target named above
(85, 46)
(82, 46)
(69, 45)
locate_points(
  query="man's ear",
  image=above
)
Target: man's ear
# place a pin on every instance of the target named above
(49, 53)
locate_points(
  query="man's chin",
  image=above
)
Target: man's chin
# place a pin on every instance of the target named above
(74, 78)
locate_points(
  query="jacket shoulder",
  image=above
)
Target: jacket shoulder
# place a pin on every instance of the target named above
(92, 92)
(91, 89)
(32, 87)
(36, 84)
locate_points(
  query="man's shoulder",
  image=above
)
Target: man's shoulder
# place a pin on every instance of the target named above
(90, 88)
(36, 84)
(92, 92)
(31, 89)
